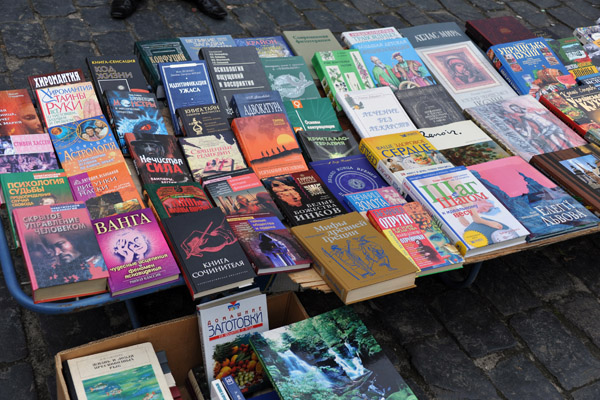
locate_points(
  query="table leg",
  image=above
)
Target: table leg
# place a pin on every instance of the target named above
(464, 283)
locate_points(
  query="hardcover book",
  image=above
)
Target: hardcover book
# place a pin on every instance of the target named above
(193, 44)
(55, 79)
(168, 200)
(291, 77)
(267, 47)
(203, 120)
(374, 112)
(571, 54)
(208, 253)
(320, 145)
(65, 104)
(593, 79)
(524, 126)
(268, 244)
(355, 260)
(437, 34)
(487, 32)
(303, 197)
(60, 250)
(210, 155)
(306, 43)
(256, 103)
(539, 204)
(429, 106)
(22, 153)
(135, 251)
(369, 35)
(17, 114)
(268, 144)
(157, 158)
(373, 199)
(312, 115)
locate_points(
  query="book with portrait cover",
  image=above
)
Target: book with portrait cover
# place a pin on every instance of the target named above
(61, 253)
(487, 32)
(291, 77)
(268, 144)
(170, 199)
(369, 35)
(136, 253)
(311, 115)
(64, 104)
(55, 79)
(373, 199)
(193, 44)
(256, 103)
(208, 253)
(267, 46)
(209, 155)
(306, 43)
(326, 144)
(17, 114)
(268, 244)
(157, 158)
(210, 119)
(22, 153)
(303, 197)
(429, 106)
(355, 260)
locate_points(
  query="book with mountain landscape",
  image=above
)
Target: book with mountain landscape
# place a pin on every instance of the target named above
(305, 43)
(373, 199)
(170, 199)
(369, 35)
(573, 56)
(256, 103)
(55, 79)
(209, 155)
(429, 106)
(267, 46)
(193, 44)
(325, 144)
(312, 115)
(17, 114)
(486, 32)
(29, 152)
(65, 104)
(291, 77)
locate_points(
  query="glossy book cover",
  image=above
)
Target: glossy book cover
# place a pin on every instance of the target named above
(65, 104)
(176, 198)
(209, 155)
(17, 114)
(23, 153)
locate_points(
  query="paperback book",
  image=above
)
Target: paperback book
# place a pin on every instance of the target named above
(312, 115)
(256, 103)
(17, 114)
(306, 43)
(170, 199)
(210, 119)
(369, 35)
(593, 79)
(291, 77)
(193, 44)
(29, 152)
(373, 199)
(571, 54)
(55, 79)
(65, 104)
(267, 47)
(429, 106)
(320, 145)
(209, 155)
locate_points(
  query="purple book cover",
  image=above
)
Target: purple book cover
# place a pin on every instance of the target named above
(135, 251)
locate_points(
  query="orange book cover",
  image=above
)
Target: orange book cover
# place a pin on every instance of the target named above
(269, 145)
(17, 114)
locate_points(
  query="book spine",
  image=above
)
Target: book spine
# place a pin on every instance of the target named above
(364, 148)
(232, 388)
(217, 391)
(563, 117)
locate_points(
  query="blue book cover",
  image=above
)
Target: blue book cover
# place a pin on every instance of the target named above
(269, 46)
(394, 63)
(193, 44)
(257, 103)
(348, 175)
(374, 199)
(186, 84)
(530, 66)
(232, 388)
(592, 79)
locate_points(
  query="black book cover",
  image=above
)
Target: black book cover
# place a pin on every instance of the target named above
(208, 119)
(429, 106)
(208, 252)
(320, 145)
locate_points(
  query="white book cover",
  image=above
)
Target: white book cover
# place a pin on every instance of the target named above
(369, 35)
(132, 372)
(217, 391)
(375, 112)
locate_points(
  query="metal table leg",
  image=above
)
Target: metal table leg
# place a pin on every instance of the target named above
(464, 283)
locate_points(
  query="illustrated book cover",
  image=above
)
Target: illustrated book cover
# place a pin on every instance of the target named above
(193, 44)
(312, 115)
(17, 114)
(487, 32)
(373, 199)
(209, 155)
(429, 106)
(326, 144)
(592, 79)
(210, 119)
(291, 77)
(29, 152)
(170, 199)
(55, 79)
(65, 104)
(267, 46)
(572, 55)
(305, 43)
(369, 35)
(256, 103)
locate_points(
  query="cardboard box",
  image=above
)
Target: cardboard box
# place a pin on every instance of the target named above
(180, 338)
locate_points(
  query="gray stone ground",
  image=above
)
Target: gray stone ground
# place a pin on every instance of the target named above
(529, 328)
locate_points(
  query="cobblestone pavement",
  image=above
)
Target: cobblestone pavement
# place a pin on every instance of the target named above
(529, 328)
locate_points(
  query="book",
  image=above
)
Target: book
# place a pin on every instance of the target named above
(303, 197)
(319, 145)
(209, 155)
(267, 46)
(196, 384)
(429, 106)
(60, 251)
(170, 199)
(593, 79)
(157, 158)
(464, 143)
(17, 114)
(312, 114)
(193, 44)
(394, 63)
(234, 70)
(369, 35)
(225, 325)
(374, 112)
(240, 193)
(256, 103)
(85, 145)
(291, 77)
(487, 32)
(469, 214)
(29, 152)
(306, 42)
(268, 244)
(130, 372)
(64, 104)
(268, 144)
(347, 175)
(55, 79)
(217, 390)
(587, 34)
(232, 388)
(208, 253)
(524, 126)
(106, 190)
(355, 260)
(571, 54)
(530, 67)
(135, 251)
(539, 204)
(210, 119)
(373, 199)
(186, 84)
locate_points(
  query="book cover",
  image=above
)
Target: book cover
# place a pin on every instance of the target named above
(186, 84)
(208, 119)
(593, 79)
(85, 145)
(348, 175)
(327, 355)
(429, 106)
(538, 203)
(303, 197)
(369, 35)
(268, 144)
(29, 152)
(208, 253)
(571, 54)
(17, 114)
(374, 112)
(312, 115)
(268, 244)
(436, 34)
(157, 158)
(487, 32)
(64, 104)
(267, 47)
(524, 126)
(193, 44)
(234, 70)
(135, 251)
(55, 79)
(131, 372)
(135, 112)
(306, 43)
(210, 155)
(291, 77)
(241, 193)
(168, 200)
(256, 103)
(463, 143)
(61, 253)
(587, 34)
(232, 388)
(325, 144)
(373, 199)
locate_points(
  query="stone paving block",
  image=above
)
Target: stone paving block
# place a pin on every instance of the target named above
(462, 9)
(590, 392)
(583, 310)
(71, 55)
(413, 16)
(54, 8)
(449, 372)
(346, 12)
(15, 11)
(14, 342)
(444, 16)
(25, 40)
(582, 264)
(368, 6)
(389, 20)
(572, 18)
(518, 378)
(17, 382)
(181, 19)
(3, 67)
(545, 3)
(488, 5)
(115, 43)
(562, 353)
(147, 24)
(90, 3)
(425, 5)
(560, 30)
(63, 29)
(546, 278)
(32, 66)
(325, 19)
(224, 26)
(5, 82)
(306, 4)
(236, 2)
(254, 21)
(99, 20)
(530, 13)
(282, 12)
(368, 25)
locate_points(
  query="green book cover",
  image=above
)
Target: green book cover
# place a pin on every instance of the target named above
(312, 115)
(291, 77)
(306, 43)
(171, 199)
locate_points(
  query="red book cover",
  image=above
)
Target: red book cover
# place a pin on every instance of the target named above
(491, 31)
(17, 114)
